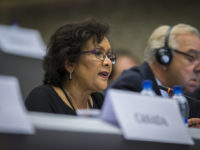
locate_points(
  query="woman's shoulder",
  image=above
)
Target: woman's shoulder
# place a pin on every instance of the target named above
(42, 88)
(41, 92)
(39, 97)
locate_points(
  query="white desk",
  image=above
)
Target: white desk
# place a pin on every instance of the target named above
(69, 132)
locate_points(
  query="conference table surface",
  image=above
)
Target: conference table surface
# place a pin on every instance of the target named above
(71, 132)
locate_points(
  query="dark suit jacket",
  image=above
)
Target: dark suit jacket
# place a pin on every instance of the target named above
(195, 103)
(132, 80)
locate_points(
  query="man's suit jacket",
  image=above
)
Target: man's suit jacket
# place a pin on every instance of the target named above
(132, 80)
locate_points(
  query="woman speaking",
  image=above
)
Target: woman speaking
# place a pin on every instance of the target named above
(77, 66)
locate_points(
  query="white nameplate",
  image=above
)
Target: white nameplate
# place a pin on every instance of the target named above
(145, 118)
(13, 115)
(21, 41)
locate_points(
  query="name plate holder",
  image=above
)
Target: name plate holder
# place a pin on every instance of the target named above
(13, 114)
(145, 118)
(21, 41)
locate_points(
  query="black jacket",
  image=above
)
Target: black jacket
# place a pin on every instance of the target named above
(132, 80)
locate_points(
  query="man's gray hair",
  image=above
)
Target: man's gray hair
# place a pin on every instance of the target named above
(158, 36)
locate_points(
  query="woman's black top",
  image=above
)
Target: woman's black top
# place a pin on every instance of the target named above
(45, 99)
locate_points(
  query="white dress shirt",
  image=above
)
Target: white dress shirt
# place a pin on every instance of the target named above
(163, 93)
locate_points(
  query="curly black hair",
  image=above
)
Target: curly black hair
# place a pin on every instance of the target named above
(66, 44)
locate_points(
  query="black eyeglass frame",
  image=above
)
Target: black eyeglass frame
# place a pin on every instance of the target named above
(191, 57)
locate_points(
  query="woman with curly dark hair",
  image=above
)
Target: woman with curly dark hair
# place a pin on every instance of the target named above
(77, 66)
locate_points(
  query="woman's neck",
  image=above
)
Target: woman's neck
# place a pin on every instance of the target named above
(78, 95)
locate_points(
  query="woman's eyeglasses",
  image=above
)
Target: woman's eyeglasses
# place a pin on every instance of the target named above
(101, 55)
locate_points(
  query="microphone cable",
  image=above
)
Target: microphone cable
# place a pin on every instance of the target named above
(171, 92)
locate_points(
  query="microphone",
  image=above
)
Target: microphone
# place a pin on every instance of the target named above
(171, 92)
(168, 90)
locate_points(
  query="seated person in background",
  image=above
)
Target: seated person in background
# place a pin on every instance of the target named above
(125, 60)
(77, 65)
(172, 57)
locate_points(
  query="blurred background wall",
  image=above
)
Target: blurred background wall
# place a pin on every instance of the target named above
(131, 21)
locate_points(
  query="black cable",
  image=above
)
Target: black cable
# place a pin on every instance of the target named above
(171, 91)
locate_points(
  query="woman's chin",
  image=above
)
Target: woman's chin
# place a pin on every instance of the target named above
(103, 87)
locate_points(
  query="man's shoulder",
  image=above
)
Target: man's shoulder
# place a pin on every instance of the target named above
(132, 79)
(133, 74)
(135, 71)
(129, 80)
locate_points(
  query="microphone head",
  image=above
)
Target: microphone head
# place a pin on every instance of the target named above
(168, 90)
(171, 93)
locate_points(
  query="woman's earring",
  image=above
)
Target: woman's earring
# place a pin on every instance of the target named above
(70, 75)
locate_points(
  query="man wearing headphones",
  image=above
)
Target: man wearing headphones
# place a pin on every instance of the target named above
(172, 57)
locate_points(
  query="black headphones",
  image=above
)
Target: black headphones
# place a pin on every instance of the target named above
(164, 54)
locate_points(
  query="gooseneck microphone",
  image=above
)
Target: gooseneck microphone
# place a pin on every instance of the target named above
(171, 92)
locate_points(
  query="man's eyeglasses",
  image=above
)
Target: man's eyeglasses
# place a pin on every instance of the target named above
(192, 55)
(101, 55)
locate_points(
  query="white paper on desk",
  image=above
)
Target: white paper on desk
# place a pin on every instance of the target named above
(13, 115)
(21, 41)
(145, 118)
